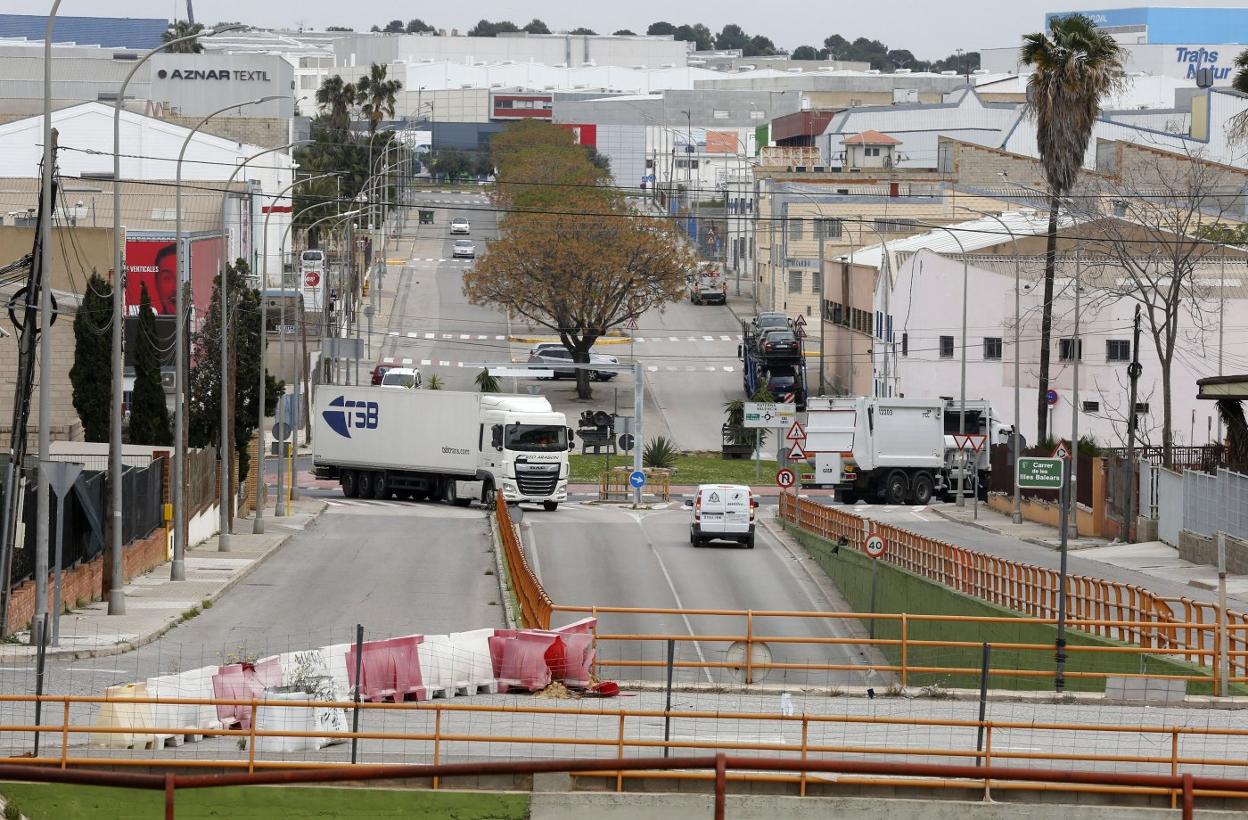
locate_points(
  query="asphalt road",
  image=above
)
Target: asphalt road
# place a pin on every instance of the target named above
(610, 556)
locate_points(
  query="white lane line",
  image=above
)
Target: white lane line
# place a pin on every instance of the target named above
(444, 364)
(426, 362)
(465, 336)
(393, 333)
(652, 369)
(673, 339)
(639, 339)
(448, 336)
(481, 337)
(675, 595)
(500, 338)
(429, 336)
(728, 369)
(91, 669)
(411, 335)
(669, 368)
(388, 360)
(723, 338)
(459, 364)
(690, 369)
(708, 338)
(406, 362)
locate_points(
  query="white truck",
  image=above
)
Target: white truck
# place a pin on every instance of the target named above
(440, 444)
(707, 285)
(900, 451)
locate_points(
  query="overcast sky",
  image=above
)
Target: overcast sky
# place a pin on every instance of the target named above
(929, 28)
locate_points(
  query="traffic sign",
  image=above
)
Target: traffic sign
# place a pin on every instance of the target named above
(632, 324)
(637, 478)
(768, 414)
(626, 441)
(1039, 473)
(1061, 450)
(785, 478)
(874, 545)
(311, 278)
(796, 453)
(281, 431)
(796, 432)
(61, 475)
(1051, 397)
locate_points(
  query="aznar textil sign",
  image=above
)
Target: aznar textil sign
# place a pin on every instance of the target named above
(198, 84)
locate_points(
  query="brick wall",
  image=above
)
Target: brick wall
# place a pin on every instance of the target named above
(266, 132)
(84, 582)
(65, 424)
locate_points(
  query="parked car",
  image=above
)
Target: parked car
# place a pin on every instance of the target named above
(723, 512)
(379, 371)
(773, 318)
(780, 340)
(554, 354)
(463, 248)
(405, 377)
(460, 225)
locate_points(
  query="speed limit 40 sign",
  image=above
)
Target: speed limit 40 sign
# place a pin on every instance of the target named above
(874, 545)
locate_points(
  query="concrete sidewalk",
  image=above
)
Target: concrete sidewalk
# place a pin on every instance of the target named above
(154, 604)
(990, 520)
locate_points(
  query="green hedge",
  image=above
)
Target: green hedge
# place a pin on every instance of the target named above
(900, 591)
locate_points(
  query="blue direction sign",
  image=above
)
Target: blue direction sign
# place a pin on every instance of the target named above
(637, 478)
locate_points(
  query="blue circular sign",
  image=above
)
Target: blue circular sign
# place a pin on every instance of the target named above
(1051, 397)
(637, 478)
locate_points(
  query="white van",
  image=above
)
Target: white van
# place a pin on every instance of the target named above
(724, 512)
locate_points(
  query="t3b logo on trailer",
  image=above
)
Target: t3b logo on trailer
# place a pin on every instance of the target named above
(346, 413)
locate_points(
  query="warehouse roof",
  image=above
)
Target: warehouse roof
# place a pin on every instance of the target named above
(107, 32)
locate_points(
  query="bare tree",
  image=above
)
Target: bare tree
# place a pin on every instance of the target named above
(1149, 224)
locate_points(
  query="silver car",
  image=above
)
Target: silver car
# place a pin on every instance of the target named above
(463, 249)
(554, 354)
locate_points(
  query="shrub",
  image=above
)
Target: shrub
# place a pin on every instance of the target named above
(659, 453)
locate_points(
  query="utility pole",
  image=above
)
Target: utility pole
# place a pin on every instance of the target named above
(1133, 373)
(1077, 353)
(43, 501)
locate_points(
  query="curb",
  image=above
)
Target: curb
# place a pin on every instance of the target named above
(504, 578)
(159, 632)
(1073, 544)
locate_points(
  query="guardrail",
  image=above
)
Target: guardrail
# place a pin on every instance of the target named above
(1108, 609)
(621, 731)
(535, 604)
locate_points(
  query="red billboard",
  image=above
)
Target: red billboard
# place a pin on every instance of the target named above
(153, 262)
(586, 134)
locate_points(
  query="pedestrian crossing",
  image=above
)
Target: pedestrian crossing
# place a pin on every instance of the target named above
(410, 361)
(616, 340)
(439, 260)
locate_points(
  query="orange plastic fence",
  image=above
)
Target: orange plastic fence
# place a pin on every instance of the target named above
(534, 602)
(1151, 620)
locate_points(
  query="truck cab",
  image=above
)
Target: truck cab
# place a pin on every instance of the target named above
(524, 445)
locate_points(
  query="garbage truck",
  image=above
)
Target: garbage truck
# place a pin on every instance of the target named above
(458, 447)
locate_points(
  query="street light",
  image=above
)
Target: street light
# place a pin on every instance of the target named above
(177, 569)
(223, 540)
(1017, 516)
(116, 596)
(257, 524)
(961, 502)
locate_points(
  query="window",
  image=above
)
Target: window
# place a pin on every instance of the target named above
(1069, 349)
(992, 348)
(946, 347)
(896, 225)
(816, 282)
(719, 114)
(795, 281)
(1091, 407)
(795, 227)
(871, 152)
(828, 228)
(758, 115)
(309, 82)
(1117, 350)
(1141, 408)
(905, 344)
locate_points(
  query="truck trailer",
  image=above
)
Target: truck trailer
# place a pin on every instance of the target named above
(441, 445)
(897, 450)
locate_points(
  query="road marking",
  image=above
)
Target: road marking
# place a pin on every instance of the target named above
(728, 368)
(444, 364)
(725, 338)
(708, 338)
(406, 362)
(675, 595)
(710, 370)
(481, 337)
(428, 335)
(388, 360)
(459, 364)
(652, 369)
(90, 669)
(639, 339)
(426, 362)
(411, 335)
(673, 339)
(464, 336)
(393, 333)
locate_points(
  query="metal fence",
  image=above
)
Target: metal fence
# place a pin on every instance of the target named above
(84, 525)
(1215, 503)
(202, 479)
(1206, 457)
(1169, 505)
(143, 495)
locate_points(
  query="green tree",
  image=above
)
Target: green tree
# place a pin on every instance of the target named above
(375, 95)
(451, 164)
(698, 34)
(205, 402)
(660, 28)
(1072, 70)
(393, 27)
(581, 30)
(805, 53)
(536, 26)
(418, 26)
(181, 28)
(92, 374)
(337, 100)
(487, 382)
(149, 414)
(624, 33)
(484, 28)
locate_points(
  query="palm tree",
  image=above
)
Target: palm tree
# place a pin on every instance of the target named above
(337, 98)
(1072, 71)
(375, 95)
(1240, 81)
(182, 28)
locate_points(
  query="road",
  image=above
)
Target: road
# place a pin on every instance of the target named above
(611, 556)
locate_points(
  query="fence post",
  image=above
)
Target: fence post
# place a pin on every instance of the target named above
(1174, 765)
(983, 700)
(40, 660)
(667, 710)
(437, 741)
(65, 735)
(905, 637)
(721, 784)
(355, 713)
(805, 729)
(1222, 654)
(619, 774)
(169, 789)
(251, 738)
(749, 646)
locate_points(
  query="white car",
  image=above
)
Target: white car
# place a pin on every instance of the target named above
(403, 377)
(460, 225)
(463, 249)
(723, 512)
